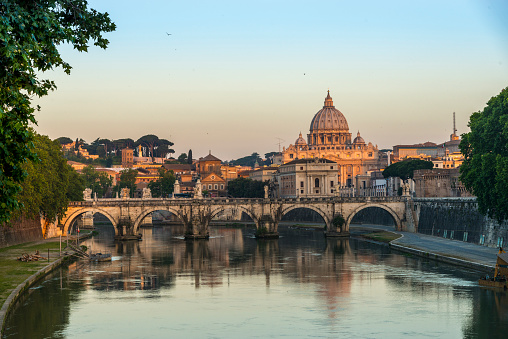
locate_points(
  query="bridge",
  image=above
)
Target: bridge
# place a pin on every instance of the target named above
(127, 214)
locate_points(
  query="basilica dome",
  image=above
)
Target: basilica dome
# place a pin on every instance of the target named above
(300, 141)
(358, 139)
(329, 119)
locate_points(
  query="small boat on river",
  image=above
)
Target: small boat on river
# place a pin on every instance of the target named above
(100, 257)
(500, 273)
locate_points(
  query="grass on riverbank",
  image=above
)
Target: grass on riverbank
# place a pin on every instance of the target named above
(14, 271)
(381, 236)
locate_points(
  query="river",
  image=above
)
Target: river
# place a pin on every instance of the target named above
(231, 286)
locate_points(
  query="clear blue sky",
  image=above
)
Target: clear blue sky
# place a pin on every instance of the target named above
(234, 76)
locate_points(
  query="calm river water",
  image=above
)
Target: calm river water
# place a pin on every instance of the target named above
(233, 286)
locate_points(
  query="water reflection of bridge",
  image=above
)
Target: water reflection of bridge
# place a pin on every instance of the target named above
(127, 215)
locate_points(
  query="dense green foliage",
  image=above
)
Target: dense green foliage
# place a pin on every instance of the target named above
(30, 32)
(405, 169)
(484, 171)
(99, 182)
(163, 186)
(50, 182)
(338, 220)
(182, 158)
(249, 160)
(246, 188)
(127, 180)
(157, 147)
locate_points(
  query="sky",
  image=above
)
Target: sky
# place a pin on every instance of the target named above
(237, 77)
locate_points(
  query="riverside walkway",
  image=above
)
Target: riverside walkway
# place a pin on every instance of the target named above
(443, 247)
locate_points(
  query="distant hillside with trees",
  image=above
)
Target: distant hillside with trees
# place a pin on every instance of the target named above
(110, 151)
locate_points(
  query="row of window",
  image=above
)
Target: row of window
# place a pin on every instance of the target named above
(358, 155)
(215, 186)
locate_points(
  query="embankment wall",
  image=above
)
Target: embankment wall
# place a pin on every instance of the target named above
(20, 231)
(459, 219)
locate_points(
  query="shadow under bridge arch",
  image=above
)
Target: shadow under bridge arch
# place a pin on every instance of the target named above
(139, 219)
(231, 213)
(305, 213)
(69, 220)
(377, 214)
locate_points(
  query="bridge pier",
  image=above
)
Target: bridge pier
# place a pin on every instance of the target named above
(125, 230)
(266, 227)
(196, 222)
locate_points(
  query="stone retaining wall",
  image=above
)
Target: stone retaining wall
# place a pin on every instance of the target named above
(459, 219)
(20, 231)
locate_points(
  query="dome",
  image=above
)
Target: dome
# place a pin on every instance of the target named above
(300, 141)
(329, 118)
(358, 139)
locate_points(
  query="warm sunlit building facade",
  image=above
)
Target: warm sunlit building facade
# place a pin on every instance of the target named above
(329, 138)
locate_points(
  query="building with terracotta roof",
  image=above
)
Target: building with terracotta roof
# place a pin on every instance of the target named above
(329, 138)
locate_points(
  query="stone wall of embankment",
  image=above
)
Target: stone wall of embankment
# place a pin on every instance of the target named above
(20, 231)
(459, 219)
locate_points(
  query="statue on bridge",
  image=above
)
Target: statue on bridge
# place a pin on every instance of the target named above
(147, 193)
(125, 193)
(198, 193)
(87, 194)
(176, 188)
(266, 191)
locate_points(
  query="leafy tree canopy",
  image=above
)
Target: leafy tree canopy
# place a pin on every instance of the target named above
(182, 158)
(64, 140)
(153, 142)
(127, 180)
(163, 186)
(30, 32)
(50, 182)
(246, 188)
(405, 169)
(484, 171)
(99, 182)
(249, 160)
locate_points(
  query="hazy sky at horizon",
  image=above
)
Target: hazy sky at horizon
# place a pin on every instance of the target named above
(233, 77)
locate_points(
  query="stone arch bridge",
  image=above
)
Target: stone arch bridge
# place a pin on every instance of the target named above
(127, 214)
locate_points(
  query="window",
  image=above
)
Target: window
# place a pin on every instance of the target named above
(301, 168)
(291, 156)
(316, 183)
(331, 167)
(222, 186)
(209, 186)
(331, 184)
(301, 191)
(301, 184)
(215, 186)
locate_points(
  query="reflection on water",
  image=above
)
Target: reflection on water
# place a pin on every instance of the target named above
(233, 285)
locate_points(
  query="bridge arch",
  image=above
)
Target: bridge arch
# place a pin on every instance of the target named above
(396, 219)
(141, 216)
(218, 209)
(70, 219)
(321, 213)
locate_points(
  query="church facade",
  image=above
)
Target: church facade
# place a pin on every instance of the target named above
(329, 138)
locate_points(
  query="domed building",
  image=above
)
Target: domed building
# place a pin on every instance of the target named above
(329, 138)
